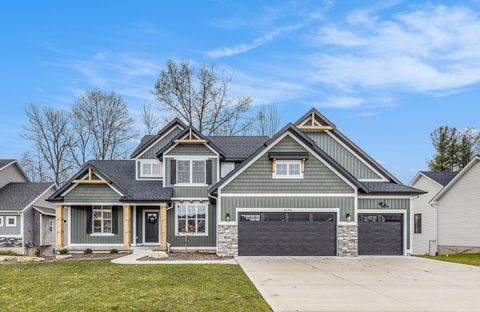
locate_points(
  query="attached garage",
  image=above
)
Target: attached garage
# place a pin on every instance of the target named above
(287, 234)
(380, 234)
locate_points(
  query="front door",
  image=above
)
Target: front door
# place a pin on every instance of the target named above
(151, 224)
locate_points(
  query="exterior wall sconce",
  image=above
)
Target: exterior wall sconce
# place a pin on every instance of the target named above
(228, 217)
(349, 217)
(383, 204)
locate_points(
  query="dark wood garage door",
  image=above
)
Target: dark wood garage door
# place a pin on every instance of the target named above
(380, 234)
(287, 234)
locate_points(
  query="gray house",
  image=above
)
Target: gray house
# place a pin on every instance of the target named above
(308, 190)
(26, 218)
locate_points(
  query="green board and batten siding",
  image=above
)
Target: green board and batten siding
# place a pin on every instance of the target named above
(92, 193)
(151, 153)
(343, 156)
(79, 228)
(230, 204)
(318, 178)
(189, 149)
(392, 203)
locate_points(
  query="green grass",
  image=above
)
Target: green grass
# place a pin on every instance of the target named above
(471, 259)
(8, 253)
(99, 285)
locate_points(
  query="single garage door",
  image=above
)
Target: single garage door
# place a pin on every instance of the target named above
(287, 234)
(380, 234)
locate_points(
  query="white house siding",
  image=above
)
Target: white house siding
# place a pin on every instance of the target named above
(459, 214)
(11, 174)
(428, 237)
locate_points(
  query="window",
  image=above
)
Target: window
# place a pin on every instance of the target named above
(191, 172)
(191, 219)
(391, 218)
(151, 168)
(250, 217)
(102, 219)
(288, 169)
(323, 217)
(299, 217)
(274, 217)
(1, 221)
(417, 223)
(11, 221)
(368, 218)
(226, 168)
(50, 225)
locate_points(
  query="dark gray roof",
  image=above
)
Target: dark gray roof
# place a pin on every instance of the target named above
(4, 162)
(238, 147)
(16, 196)
(144, 142)
(121, 174)
(390, 187)
(441, 177)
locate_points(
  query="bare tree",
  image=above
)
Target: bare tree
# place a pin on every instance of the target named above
(107, 122)
(80, 149)
(48, 130)
(150, 120)
(200, 98)
(34, 167)
(268, 120)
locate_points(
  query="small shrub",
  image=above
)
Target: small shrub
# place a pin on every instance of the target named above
(113, 251)
(63, 251)
(38, 252)
(87, 251)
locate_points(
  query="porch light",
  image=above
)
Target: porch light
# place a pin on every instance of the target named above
(228, 217)
(348, 217)
(383, 204)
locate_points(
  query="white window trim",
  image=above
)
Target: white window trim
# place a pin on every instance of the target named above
(151, 175)
(275, 174)
(93, 220)
(9, 218)
(191, 173)
(190, 233)
(1, 220)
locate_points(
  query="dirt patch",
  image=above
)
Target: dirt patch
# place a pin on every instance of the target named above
(181, 256)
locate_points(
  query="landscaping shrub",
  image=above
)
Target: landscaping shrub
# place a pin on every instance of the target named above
(87, 251)
(113, 251)
(63, 251)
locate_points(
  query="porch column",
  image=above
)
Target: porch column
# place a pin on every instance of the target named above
(163, 226)
(127, 226)
(59, 216)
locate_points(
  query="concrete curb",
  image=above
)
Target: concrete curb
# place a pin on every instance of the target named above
(133, 259)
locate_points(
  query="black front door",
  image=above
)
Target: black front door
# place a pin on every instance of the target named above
(151, 227)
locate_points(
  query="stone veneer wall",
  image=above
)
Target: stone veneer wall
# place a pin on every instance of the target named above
(227, 240)
(10, 242)
(347, 238)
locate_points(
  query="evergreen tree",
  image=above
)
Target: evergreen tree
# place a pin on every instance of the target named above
(464, 153)
(442, 142)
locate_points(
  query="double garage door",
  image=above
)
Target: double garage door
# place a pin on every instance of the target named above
(315, 234)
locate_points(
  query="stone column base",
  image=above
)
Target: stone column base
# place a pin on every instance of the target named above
(347, 240)
(227, 240)
(10, 242)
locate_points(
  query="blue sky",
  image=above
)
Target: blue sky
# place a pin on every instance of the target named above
(386, 73)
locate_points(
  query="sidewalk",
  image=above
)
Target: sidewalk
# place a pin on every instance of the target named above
(138, 254)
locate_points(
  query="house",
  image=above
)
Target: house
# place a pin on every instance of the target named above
(308, 190)
(445, 219)
(26, 218)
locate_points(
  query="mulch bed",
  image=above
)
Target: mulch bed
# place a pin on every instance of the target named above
(74, 257)
(181, 256)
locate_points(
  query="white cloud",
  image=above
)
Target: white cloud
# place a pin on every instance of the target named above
(245, 47)
(342, 102)
(431, 49)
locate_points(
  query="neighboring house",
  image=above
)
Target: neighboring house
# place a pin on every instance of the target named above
(26, 218)
(308, 190)
(446, 217)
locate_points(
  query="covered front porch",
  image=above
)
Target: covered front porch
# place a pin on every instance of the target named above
(106, 226)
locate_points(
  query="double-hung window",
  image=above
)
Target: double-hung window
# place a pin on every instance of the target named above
(417, 223)
(191, 172)
(151, 168)
(288, 169)
(191, 220)
(102, 219)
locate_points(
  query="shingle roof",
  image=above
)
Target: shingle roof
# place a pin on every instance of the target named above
(238, 147)
(441, 177)
(44, 210)
(16, 196)
(4, 162)
(390, 187)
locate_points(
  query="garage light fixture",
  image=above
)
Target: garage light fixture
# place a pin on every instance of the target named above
(383, 204)
(349, 217)
(228, 217)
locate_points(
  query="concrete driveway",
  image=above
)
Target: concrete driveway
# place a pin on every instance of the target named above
(364, 284)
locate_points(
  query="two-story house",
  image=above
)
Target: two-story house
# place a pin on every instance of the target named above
(308, 190)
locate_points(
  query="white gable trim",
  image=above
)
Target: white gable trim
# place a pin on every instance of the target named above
(14, 162)
(9, 164)
(156, 141)
(270, 147)
(456, 179)
(175, 144)
(39, 196)
(83, 178)
(420, 174)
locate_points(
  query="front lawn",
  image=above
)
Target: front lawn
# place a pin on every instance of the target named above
(472, 259)
(99, 285)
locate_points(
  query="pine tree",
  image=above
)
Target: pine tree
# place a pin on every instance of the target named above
(442, 142)
(465, 150)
